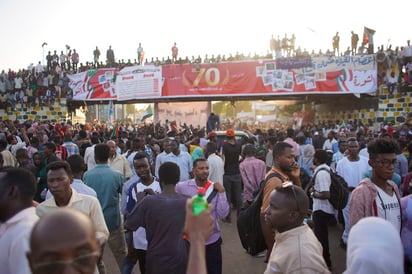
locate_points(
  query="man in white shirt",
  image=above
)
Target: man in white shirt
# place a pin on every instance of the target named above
(89, 153)
(216, 164)
(39, 68)
(323, 211)
(327, 145)
(63, 60)
(140, 54)
(353, 169)
(18, 216)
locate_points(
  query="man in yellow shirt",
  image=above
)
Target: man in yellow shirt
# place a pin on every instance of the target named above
(59, 178)
(296, 248)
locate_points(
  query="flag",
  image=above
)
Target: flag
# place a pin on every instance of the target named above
(148, 113)
(368, 38)
(173, 126)
(111, 113)
(368, 35)
(141, 58)
(115, 132)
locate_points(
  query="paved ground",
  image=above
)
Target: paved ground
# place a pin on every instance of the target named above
(237, 261)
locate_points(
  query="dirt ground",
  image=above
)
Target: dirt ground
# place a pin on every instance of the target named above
(237, 261)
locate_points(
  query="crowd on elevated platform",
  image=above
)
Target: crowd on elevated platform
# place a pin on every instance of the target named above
(41, 84)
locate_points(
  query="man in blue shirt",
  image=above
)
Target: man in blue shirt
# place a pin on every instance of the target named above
(108, 185)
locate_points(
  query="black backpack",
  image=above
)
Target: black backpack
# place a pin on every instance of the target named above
(248, 221)
(339, 190)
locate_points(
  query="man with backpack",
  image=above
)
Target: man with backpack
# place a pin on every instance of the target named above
(284, 169)
(323, 211)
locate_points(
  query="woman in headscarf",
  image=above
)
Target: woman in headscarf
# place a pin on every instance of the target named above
(406, 232)
(374, 247)
(197, 153)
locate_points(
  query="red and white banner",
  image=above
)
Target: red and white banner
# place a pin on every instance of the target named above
(139, 81)
(94, 85)
(320, 75)
(349, 74)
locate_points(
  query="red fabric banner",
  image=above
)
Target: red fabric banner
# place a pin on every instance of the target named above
(212, 79)
(355, 74)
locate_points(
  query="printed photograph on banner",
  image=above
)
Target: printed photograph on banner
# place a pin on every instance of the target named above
(288, 76)
(320, 76)
(278, 84)
(300, 78)
(270, 66)
(268, 78)
(102, 79)
(278, 74)
(288, 85)
(310, 83)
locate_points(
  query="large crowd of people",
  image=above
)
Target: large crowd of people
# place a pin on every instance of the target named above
(140, 178)
(68, 191)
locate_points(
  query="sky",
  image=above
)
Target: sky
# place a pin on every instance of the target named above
(198, 27)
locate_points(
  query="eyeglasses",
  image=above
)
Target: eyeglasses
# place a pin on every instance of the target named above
(84, 263)
(386, 163)
(289, 185)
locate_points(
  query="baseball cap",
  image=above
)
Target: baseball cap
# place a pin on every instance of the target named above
(230, 132)
(211, 134)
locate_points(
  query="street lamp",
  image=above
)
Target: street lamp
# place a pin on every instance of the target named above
(42, 45)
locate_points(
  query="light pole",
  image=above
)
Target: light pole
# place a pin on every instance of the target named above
(42, 45)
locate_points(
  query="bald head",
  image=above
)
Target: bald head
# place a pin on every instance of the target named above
(63, 236)
(112, 147)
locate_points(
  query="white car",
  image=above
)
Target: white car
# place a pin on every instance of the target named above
(239, 135)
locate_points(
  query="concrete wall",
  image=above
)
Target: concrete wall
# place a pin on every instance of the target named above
(395, 108)
(56, 112)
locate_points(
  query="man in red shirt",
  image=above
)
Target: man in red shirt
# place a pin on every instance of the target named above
(175, 51)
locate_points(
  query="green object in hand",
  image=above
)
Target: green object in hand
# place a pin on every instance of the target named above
(199, 202)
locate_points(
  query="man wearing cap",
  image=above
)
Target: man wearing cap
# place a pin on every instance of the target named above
(231, 178)
(212, 137)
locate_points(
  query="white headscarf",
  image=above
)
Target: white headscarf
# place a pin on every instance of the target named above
(374, 247)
